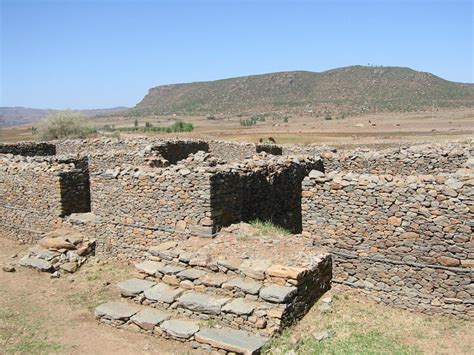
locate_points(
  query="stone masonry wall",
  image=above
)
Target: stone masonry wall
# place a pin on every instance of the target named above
(35, 192)
(270, 192)
(400, 160)
(404, 240)
(28, 149)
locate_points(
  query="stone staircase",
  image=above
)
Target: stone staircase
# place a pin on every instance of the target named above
(211, 295)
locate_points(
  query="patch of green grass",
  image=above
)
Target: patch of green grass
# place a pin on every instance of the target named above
(370, 342)
(21, 334)
(268, 228)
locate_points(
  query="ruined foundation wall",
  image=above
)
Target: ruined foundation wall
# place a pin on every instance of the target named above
(401, 160)
(270, 193)
(109, 153)
(36, 192)
(28, 149)
(404, 240)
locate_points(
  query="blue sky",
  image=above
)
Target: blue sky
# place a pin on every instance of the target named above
(105, 53)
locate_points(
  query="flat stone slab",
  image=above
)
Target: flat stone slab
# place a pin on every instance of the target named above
(200, 302)
(247, 286)
(170, 269)
(255, 268)
(277, 294)
(191, 274)
(43, 253)
(163, 293)
(149, 318)
(180, 328)
(133, 287)
(286, 272)
(115, 310)
(149, 267)
(213, 279)
(239, 306)
(232, 340)
(39, 264)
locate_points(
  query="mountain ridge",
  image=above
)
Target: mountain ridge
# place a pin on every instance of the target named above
(352, 90)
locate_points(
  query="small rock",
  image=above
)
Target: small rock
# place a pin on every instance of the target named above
(8, 268)
(325, 334)
(324, 308)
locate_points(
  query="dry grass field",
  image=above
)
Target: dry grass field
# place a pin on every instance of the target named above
(447, 125)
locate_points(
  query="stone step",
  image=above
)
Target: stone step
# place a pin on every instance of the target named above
(216, 282)
(196, 333)
(230, 311)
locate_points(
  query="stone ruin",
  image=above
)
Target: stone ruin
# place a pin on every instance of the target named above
(395, 223)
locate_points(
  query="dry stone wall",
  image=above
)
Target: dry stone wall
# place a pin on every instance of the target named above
(28, 149)
(404, 240)
(36, 192)
(399, 160)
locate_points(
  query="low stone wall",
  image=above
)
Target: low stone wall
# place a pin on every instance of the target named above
(402, 160)
(35, 192)
(109, 153)
(406, 240)
(28, 149)
(174, 151)
(231, 151)
(272, 149)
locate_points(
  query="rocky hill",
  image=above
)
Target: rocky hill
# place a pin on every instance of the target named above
(349, 90)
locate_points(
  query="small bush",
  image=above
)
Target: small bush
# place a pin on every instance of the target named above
(62, 124)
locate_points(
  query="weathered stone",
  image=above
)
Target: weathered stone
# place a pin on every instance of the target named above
(115, 310)
(395, 221)
(164, 246)
(180, 328)
(232, 340)
(169, 269)
(8, 268)
(239, 306)
(246, 285)
(213, 279)
(149, 267)
(69, 267)
(133, 287)
(230, 263)
(448, 261)
(287, 272)
(323, 335)
(255, 268)
(200, 302)
(56, 243)
(149, 318)
(277, 294)
(42, 253)
(163, 293)
(191, 274)
(39, 264)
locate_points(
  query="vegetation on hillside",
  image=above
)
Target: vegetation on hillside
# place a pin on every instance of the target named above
(350, 90)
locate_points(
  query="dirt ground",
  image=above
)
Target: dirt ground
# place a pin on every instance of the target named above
(43, 315)
(374, 129)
